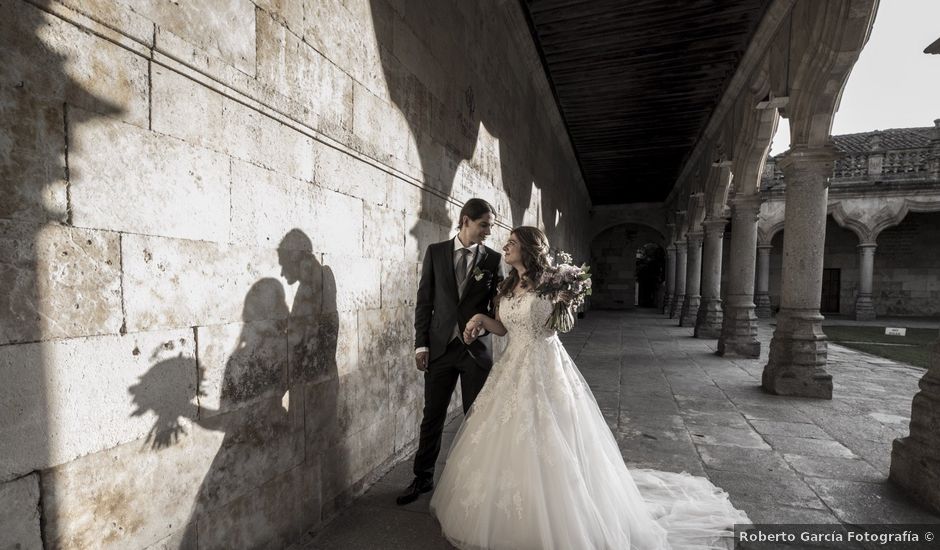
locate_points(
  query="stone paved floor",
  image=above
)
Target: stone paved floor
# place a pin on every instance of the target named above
(675, 405)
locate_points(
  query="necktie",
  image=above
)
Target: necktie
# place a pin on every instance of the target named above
(462, 266)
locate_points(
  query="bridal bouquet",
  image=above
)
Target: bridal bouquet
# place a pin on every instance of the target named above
(566, 285)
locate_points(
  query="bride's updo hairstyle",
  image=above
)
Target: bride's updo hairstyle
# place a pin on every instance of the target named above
(533, 246)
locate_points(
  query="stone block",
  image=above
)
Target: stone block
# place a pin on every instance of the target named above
(255, 443)
(349, 175)
(404, 195)
(187, 109)
(110, 15)
(399, 283)
(62, 282)
(150, 184)
(346, 465)
(177, 283)
(267, 205)
(383, 233)
(422, 233)
(385, 334)
(223, 28)
(357, 282)
(380, 129)
(19, 514)
(102, 391)
(312, 346)
(297, 70)
(32, 158)
(241, 362)
(347, 34)
(270, 516)
(407, 424)
(253, 136)
(147, 495)
(55, 61)
(289, 13)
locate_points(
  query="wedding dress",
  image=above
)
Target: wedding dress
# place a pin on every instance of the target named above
(535, 466)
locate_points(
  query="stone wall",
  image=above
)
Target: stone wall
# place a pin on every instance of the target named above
(613, 264)
(212, 222)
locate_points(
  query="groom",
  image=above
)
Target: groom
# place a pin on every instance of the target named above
(459, 279)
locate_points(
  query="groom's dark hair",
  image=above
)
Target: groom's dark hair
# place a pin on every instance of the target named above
(475, 209)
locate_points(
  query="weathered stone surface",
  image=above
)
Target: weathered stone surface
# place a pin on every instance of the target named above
(224, 28)
(32, 166)
(383, 233)
(385, 334)
(796, 365)
(270, 516)
(344, 173)
(148, 493)
(357, 282)
(379, 128)
(59, 282)
(176, 283)
(103, 391)
(267, 205)
(241, 362)
(19, 513)
(55, 61)
(152, 184)
(184, 108)
(399, 283)
(255, 137)
(296, 69)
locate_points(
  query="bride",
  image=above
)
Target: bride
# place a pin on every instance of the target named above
(535, 466)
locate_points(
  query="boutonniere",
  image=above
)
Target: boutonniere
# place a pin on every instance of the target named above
(478, 273)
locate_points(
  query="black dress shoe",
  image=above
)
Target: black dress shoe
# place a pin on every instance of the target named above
(418, 486)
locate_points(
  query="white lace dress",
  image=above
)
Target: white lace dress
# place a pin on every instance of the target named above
(535, 466)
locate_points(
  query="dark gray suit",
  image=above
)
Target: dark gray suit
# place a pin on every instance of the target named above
(440, 307)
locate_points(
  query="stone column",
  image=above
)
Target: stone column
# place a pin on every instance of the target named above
(670, 278)
(864, 308)
(693, 280)
(708, 321)
(762, 293)
(915, 459)
(739, 323)
(798, 348)
(676, 307)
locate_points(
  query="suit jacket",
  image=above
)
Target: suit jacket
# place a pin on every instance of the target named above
(439, 306)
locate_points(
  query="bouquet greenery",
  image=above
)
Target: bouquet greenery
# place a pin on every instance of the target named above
(566, 285)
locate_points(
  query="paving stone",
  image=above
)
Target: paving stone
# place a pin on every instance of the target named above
(860, 502)
(742, 459)
(722, 435)
(850, 469)
(786, 489)
(809, 446)
(792, 429)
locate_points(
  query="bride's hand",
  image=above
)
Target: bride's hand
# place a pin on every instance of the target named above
(473, 329)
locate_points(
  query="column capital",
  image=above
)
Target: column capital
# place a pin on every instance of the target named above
(694, 238)
(714, 224)
(804, 163)
(743, 203)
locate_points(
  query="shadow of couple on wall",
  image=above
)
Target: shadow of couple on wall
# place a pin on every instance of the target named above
(263, 485)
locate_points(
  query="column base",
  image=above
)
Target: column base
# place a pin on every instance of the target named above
(916, 469)
(763, 310)
(864, 309)
(798, 353)
(667, 303)
(708, 322)
(915, 459)
(689, 310)
(738, 336)
(676, 307)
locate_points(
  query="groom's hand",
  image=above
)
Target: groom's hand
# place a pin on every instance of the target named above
(421, 361)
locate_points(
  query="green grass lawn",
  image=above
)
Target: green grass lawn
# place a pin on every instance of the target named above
(871, 340)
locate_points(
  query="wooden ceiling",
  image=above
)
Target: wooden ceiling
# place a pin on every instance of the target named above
(636, 81)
